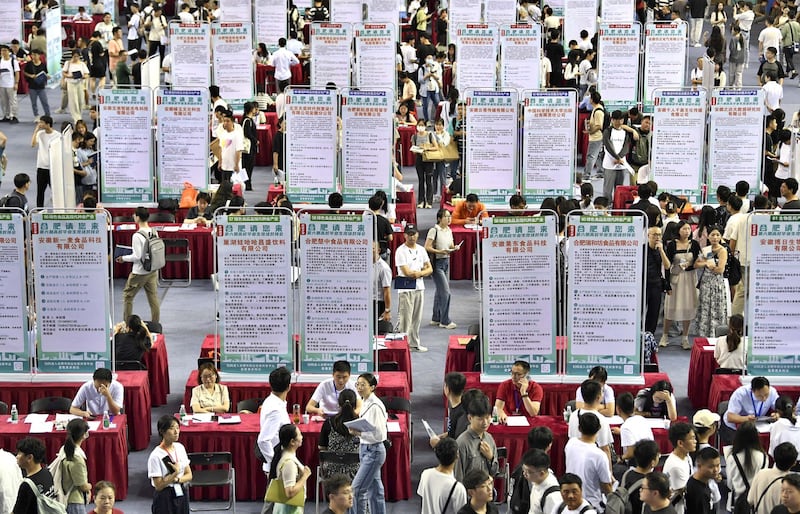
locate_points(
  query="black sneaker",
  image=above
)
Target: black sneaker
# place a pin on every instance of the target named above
(13, 120)
(5, 120)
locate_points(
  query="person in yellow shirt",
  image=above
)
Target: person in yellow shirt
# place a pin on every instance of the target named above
(467, 212)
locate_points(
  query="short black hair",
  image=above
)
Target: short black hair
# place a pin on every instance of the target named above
(479, 406)
(213, 90)
(658, 482)
(33, 447)
(601, 201)
(164, 423)
(759, 383)
(785, 455)
(102, 374)
(570, 478)
(335, 482)
(536, 459)
(645, 452)
(20, 179)
(706, 454)
(142, 213)
(523, 364)
(723, 192)
(335, 200)
(679, 431)
(540, 438)
(446, 451)
(341, 366)
(735, 202)
(625, 403)
(472, 197)
(588, 424)
(474, 478)
(279, 379)
(591, 390)
(644, 191)
(742, 188)
(791, 184)
(455, 382)
(282, 42)
(375, 202)
(599, 373)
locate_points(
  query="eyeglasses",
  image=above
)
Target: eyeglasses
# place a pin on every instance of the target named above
(208, 377)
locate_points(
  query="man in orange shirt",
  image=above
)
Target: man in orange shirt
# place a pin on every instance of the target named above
(467, 212)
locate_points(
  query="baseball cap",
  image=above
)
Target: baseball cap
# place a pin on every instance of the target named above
(704, 418)
(411, 229)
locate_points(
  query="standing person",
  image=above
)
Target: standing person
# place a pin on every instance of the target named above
(595, 130)
(454, 383)
(617, 145)
(116, 52)
(412, 263)
(678, 466)
(743, 17)
(140, 277)
(282, 60)
(278, 171)
(769, 36)
(289, 469)
(168, 469)
(790, 495)
(31, 454)
(433, 87)
(439, 243)
(135, 28)
(99, 64)
(554, 51)
(10, 480)
(440, 491)
(76, 75)
(697, 10)
(43, 135)
(274, 415)
(681, 305)
(480, 488)
(367, 485)
(790, 31)
(655, 494)
(743, 460)
(231, 143)
(9, 82)
(251, 142)
(698, 492)
(382, 288)
(572, 500)
(424, 140)
(589, 462)
(737, 55)
(35, 72)
(17, 197)
(543, 484)
(156, 24)
(765, 490)
(476, 447)
(74, 473)
(440, 168)
(713, 299)
(655, 284)
(104, 498)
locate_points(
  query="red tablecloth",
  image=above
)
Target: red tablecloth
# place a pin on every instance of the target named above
(136, 402)
(583, 138)
(701, 370)
(180, 215)
(461, 261)
(447, 79)
(201, 244)
(272, 120)
(106, 450)
(251, 483)
(556, 396)
(404, 155)
(83, 29)
(264, 73)
(390, 383)
(265, 136)
(722, 386)
(157, 362)
(458, 358)
(396, 351)
(273, 192)
(406, 206)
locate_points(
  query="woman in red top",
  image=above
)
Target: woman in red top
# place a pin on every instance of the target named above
(104, 497)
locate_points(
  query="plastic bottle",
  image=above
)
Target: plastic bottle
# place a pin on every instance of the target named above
(183, 416)
(14, 413)
(568, 413)
(106, 420)
(495, 417)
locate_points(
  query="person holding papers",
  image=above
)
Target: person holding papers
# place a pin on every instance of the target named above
(518, 396)
(439, 243)
(98, 395)
(750, 402)
(75, 74)
(35, 72)
(367, 485)
(168, 469)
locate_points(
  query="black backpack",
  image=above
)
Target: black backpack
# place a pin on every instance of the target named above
(521, 493)
(619, 501)
(740, 504)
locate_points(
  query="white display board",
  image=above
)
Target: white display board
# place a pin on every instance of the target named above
(461, 12)
(62, 178)
(71, 287)
(477, 56)
(347, 11)
(491, 144)
(331, 48)
(11, 28)
(679, 127)
(382, 11)
(337, 318)
(14, 343)
(375, 47)
(548, 142)
(182, 140)
(579, 15)
(151, 71)
(519, 293)
(233, 62)
(52, 28)
(127, 116)
(500, 11)
(191, 55)
(254, 300)
(617, 11)
(238, 11)
(735, 138)
(772, 307)
(618, 74)
(270, 21)
(520, 55)
(664, 58)
(310, 144)
(605, 256)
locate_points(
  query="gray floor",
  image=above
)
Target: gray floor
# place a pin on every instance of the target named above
(187, 315)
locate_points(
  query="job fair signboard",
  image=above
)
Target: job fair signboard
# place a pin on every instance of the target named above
(183, 140)
(462, 12)
(12, 28)
(477, 56)
(519, 293)
(125, 148)
(14, 343)
(337, 318)
(617, 11)
(605, 256)
(254, 259)
(520, 55)
(548, 137)
(270, 21)
(330, 46)
(736, 137)
(491, 144)
(368, 132)
(679, 125)
(233, 62)
(71, 287)
(52, 28)
(191, 53)
(579, 15)
(772, 302)
(375, 50)
(664, 58)
(310, 144)
(618, 76)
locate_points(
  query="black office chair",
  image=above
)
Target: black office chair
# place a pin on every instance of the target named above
(333, 457)
(728, 371)
(130, 366)
(503, 472)
(388, 366)
(221, 474)
(177, 250)
(249, 406)
(3, 408)
(398, 404)
(122, 219)
(162, 217)
(51, 405)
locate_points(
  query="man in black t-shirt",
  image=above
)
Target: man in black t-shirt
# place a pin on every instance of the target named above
(17, 197)
(36, 74)
(698, 493)
(31, 453)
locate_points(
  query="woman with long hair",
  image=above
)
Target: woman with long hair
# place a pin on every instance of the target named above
(657, 401)
(74, 473)
(368, 489)
(729, 349)
(439, 243)
(787, 419)
(288, 468)
(713, 298)
(587, 195)
(707, 219)
(132, 339)
(336, 438)
(717, 41)
(743, 460)
(681, 304)
(169, 470)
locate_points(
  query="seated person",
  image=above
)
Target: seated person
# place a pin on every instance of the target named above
(729, 349)
(517, 204)
(209, 395)
(518, 395)
(325, 400)
(747, 403)
(98, 395)
(467, 211)
(657, 401)
(201, 213)
(456, 187)
(599, 375)
(131, 340)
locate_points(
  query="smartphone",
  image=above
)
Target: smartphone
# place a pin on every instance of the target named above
(168, 463)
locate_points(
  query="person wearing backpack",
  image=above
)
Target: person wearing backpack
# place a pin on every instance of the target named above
(626, 499)
(545, 490)
(572, 496)
(74, 474)
(743, 460)
(139, 276)
(594, 127)
(765, 489)
(654, 494)
(31, 454)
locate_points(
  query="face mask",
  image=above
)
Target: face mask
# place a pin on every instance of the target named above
(420, 129)
(428, 61)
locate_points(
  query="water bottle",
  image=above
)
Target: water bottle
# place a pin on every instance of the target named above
(568, 413)
(277, 179)
(14, 413)
(495, 417)
(183, 416)
(106, 420)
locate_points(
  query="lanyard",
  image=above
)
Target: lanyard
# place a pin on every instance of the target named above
(518, 400)
(760, 406)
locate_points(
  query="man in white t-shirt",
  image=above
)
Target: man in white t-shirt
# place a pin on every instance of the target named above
(440, 491)
(9, 81)
(231, 144)
(589, 462)
(736, 231)
(634, 428)
(545, 491)
(325, 400)
(769, 36)
(679, 466)
(617, 144)
(413, 263)
(590, 390)
(773, 92)
(606, 408)
(743, 15)
(282, 59)
(43, 135)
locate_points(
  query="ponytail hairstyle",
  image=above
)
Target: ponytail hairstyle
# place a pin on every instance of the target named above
(785, 408)
(347, 412)
(285, 435)
(139, 332)
(76, 431)
(735, 329)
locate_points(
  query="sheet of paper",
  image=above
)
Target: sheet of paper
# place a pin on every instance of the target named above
(763, 428)
(66, 417)
(657, 423)
(171, 228)
(428, 429)
(517, 421)
(36, 418)
(41, 428)
(708, 348)
(464, 341)
(202, 417)
(615, 420)
(232, 420)
(393, 426)
(359, 425)
(94, 425)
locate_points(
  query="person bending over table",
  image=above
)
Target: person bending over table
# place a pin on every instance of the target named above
(657, 401)
(209, 395)
(747, 403)
(325, 400)
(466, 213)
(98, 395)
(518, 395)
(201, 213)
(168, 469)
(131, 340)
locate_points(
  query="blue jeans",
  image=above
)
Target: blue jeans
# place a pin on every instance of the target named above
(41, 94)
(430, 97)
(441, 300)
(367, 485)
(76, 508)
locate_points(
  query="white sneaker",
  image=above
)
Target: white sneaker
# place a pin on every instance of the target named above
(697, 45)
(60, 111)
(450, 325)
(434, 323)
(420, 349)
(35, 120)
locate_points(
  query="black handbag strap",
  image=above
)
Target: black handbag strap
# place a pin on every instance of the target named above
(741, 471)
(447, 503)
(766, 490)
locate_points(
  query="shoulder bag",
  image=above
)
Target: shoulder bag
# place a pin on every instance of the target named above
(276, 492)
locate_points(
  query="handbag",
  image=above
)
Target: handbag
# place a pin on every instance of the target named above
(450, 152)
(432, 155)
(405, 283)
(276, 492)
